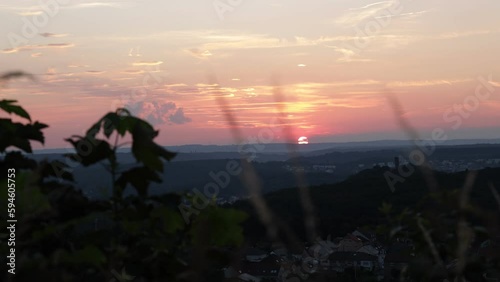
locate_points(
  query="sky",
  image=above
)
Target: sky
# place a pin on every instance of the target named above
(336, 63)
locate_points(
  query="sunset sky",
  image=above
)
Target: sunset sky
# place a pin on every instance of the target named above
(336, 62)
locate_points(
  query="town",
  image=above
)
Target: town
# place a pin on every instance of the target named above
(357, 254)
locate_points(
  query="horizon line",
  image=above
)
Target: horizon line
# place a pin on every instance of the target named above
(479, 140)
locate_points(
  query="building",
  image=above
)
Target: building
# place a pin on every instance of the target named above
(339, 261)
(255, 255)
(267, 268)
(350, 243)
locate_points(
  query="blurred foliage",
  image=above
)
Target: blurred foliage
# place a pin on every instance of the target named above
(61, 235)
(446, 232)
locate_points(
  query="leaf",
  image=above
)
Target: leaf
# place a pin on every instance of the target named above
(18, 134)
(126, 124)
(111, 122)
(144, 153)
(167, 155)
(141, 129)
(139, 178)
(9, 107)
(145, 150)
(108, 123)
(33, 131)
(89, 151)
(21, 143)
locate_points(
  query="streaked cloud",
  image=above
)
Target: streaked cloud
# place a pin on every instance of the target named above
(38, 47)
(354, 16)
(95, 72)
(134, 71)
(201, 54)
(426, 83)
(77, 66)
(10, 50)
(356, 102)
(407, 15)
(108, 4)
(147, 63)
(451, 35)
(30, 13)
(56, 35)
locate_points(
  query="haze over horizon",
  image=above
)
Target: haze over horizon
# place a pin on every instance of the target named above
(90, 57)
(283, 148)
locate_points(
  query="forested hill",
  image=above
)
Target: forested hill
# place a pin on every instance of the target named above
(355, 202)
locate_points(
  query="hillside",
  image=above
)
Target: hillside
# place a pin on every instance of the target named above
(355, 202)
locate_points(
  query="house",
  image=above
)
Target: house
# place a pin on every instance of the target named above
(317, 255)
(255, 255)
(291, 271)
(350, 243)
(267, 268)
(365, 235)
(339, 261)
(369, 249)
(253, 270)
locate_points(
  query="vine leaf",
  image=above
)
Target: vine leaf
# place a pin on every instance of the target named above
(10, 107)
(139, 178)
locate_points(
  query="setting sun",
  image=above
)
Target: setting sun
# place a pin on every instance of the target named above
(303, 140)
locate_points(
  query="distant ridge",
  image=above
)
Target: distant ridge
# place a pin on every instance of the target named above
(283, 147)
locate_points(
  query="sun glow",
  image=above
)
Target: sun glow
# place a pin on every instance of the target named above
(303, 140)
